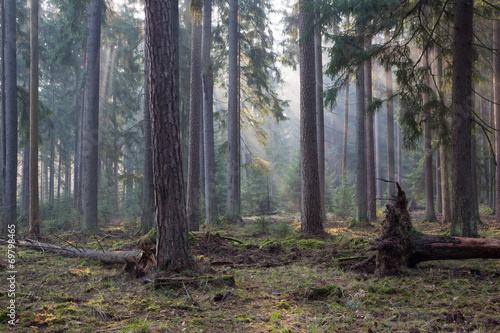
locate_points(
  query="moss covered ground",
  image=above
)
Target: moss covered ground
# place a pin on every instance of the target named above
(284, 282)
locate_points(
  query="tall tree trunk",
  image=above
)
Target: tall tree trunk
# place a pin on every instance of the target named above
(390, 133)
(310, 189)
(430, 213)
(233, 167)
(148, 196)
(2, 110)
(193, 187)
(370, 145)
(320, 116)
(52, 165)
(172, 245)
(25, 183)
(208, 116)
(10, 204)
(400, 156)
(496, 90)
(346, 131)
(361, 204)
(439, 197)
(59, 177)
(464, 221)
(91, 135)
(380, 186)
(78, 112)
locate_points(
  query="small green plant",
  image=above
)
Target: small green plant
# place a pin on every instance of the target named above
(343, 200)
(283, 228)
(260, 226)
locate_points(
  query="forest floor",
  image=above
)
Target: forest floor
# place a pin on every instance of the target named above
(283, 283)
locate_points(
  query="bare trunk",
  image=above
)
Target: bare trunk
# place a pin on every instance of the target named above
(390, 133)
(233, 167)
(346, 130)
(52, 165)
(193, 187)
(464, 220)
(2, 113)
(400, 156)
(439, 198)
(91, 133)
(25, 184)
(320, 116)
(310, 189)
(430, 213)
(361, 204)
(10, 203)
(496, 90)
(172, 245)
(208, 117)
(370, 145)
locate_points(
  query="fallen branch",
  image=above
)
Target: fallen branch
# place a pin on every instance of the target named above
(111, 257)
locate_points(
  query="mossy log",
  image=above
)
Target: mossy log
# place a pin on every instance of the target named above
(110, 257)
(400, 245)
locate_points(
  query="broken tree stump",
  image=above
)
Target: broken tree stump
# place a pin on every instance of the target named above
(400, 245)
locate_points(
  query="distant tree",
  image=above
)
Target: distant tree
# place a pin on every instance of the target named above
(195, 104)
(147, 218)
(430, 214)
(172, 244)
(390, 132)
(9, 203)
(370, 143)
(346, 132)
(91, 132)
(464, 221)
(361, 205)
(34, 225)
(311, 199)
(233, 167)
(208, 116)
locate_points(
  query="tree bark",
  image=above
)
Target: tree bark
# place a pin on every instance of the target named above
(91, 133)
(370, 145)
(320, 116)
(2, 110)
(25, 184)
(172, 243)
(346, 131)
(148, 196)
(10, 203)
(193, 187)
(361, 205)
(496, 96)
(464, 220)
(208, 117)
(311, 220)
(430, 213)
(233, 167)
(390, 132)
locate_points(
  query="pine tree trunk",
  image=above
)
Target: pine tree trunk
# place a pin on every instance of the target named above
(390, 132)
(10, 203)
(370, 145)
(2, 112)
(439, 198)
(147, 218)
(464, 221)
(25, 184)
(496, 96)
(400, 155)
(320, 116)
(430, 213)
(346, 132)
(361, 204)
(193, 187)
(172, 245)
(233, 167)
(91, 133)
(310, 189)
(52, 165)
(208, 117)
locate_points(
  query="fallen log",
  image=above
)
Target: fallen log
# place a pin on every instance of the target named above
(400, 245)
(110, 257)
(174, 283)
